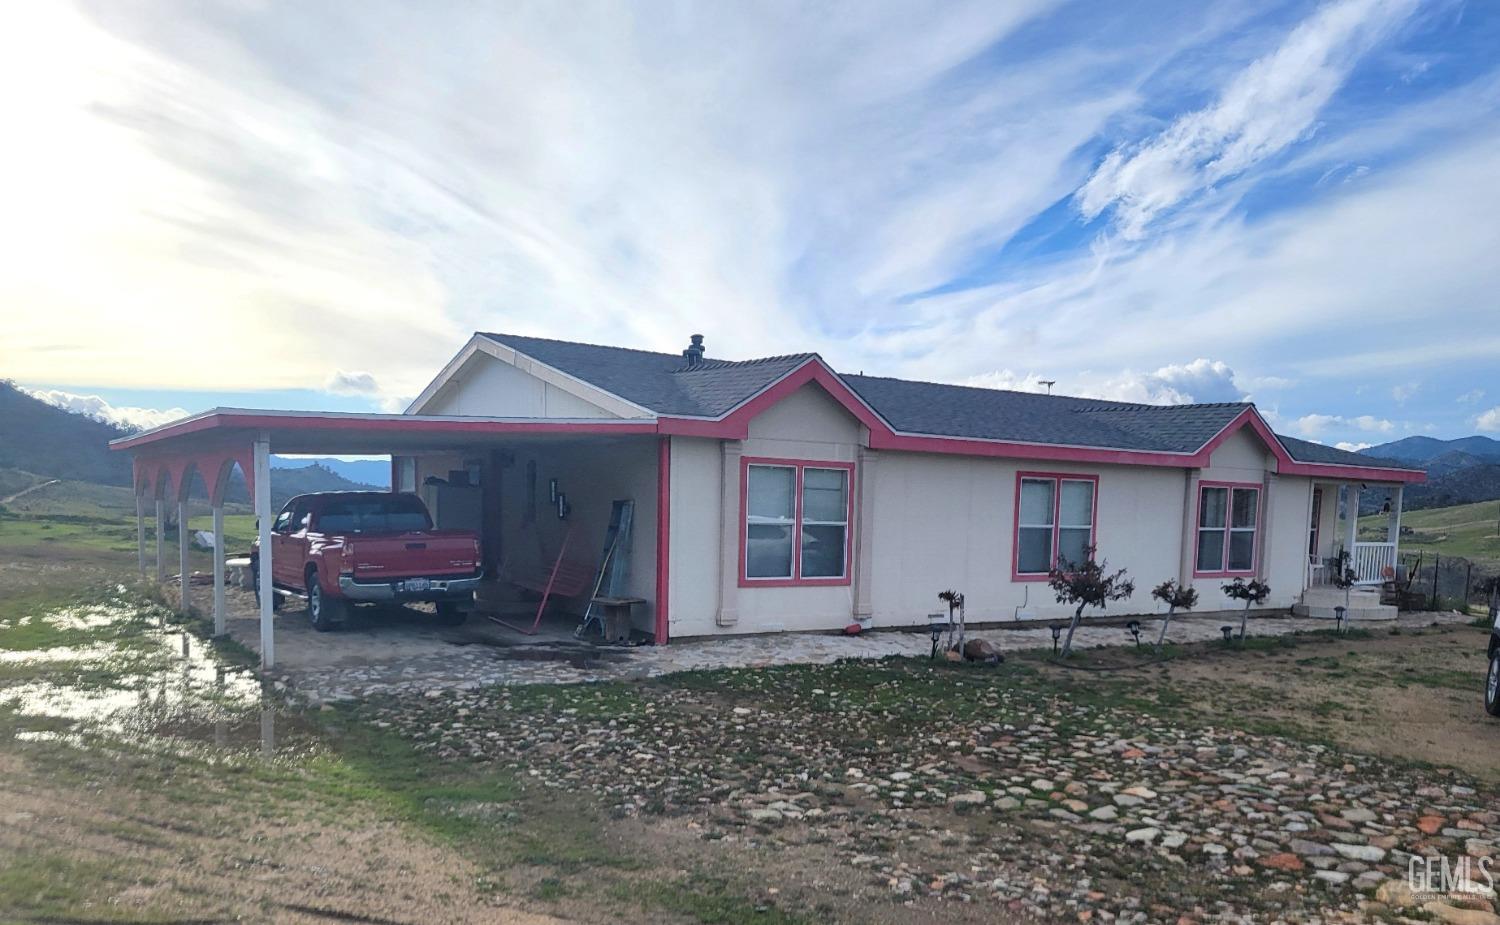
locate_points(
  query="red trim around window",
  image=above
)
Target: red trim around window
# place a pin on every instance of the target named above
(1260, 500)
(796, 581)
(1015, 531)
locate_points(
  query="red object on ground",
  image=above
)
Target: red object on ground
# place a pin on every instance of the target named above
(854, 629)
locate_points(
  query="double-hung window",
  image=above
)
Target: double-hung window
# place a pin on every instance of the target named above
(1228, 520)
(1054, 521)
(796, 523)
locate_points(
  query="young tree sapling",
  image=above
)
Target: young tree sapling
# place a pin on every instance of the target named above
(1175, 596)
(1252, 592)
(1086, 584)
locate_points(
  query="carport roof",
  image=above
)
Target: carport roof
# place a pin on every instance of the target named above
(356, 433)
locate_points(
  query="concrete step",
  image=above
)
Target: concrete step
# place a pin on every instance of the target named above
(1364, 604)
(1380, 613)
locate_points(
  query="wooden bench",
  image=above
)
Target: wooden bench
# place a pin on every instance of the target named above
(615, 618)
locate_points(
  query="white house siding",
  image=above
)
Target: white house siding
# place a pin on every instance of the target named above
(488, 387)
(1284, 567)
(1284, 512)
(948, 522)
(694, 553)
(941, 521)
(806, 425)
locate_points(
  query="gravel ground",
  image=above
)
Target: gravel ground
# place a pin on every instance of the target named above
(1018, 792)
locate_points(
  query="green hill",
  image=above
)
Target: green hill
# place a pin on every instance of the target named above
(46, 440)
(41, 442)
(1468, 530)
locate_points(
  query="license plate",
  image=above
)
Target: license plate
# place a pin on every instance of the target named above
(417, 584)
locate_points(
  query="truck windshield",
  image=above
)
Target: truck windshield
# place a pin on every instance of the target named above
(395, 514)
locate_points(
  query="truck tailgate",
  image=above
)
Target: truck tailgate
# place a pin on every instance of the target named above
(416, 554)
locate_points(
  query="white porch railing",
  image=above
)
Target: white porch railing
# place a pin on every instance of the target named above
(1371, 559)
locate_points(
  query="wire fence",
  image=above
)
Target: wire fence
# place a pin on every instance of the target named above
(1447, 582)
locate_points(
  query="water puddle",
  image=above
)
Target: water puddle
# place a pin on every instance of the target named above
(118, 668)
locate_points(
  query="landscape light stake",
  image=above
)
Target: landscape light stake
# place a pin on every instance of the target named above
(1134, 629)
(1338, 619)
(1056, 634)
(1228, 632)
(936, 625)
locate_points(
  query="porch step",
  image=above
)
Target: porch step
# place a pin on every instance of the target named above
(1364, 604)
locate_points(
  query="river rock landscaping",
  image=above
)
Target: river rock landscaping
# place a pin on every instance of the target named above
(1025, 790)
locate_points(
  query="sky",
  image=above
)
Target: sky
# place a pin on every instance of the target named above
(312, 205)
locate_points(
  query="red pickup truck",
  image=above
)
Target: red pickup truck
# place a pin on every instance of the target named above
(343, 547)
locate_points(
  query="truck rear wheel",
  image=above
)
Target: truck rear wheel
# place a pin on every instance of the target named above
(324, 612)
(450, 614)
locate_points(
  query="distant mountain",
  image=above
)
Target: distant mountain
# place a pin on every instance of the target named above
(1460, 471)
(375, 472)
(49, 441)
(286, 483)
(1425, 449)
(1459, 486)
(56, 443)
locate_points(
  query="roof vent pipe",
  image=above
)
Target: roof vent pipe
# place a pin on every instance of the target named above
(694, 352)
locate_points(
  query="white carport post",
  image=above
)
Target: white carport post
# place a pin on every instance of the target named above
(219, 625)
(1351, 514)
(140, 533)
(161, 541)
(185, 571)
(263, 519)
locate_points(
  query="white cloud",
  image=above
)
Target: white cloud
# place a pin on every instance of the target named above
(1201, 380)
(1271, 104)
(1007, 380)
(1315, 425)
(128, 417)
(351, 383)
(1489, 421)
(1352, 447)
(1401, 393)
(1472, 396)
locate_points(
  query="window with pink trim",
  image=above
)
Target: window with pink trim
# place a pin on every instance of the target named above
(796, 523)
(1054, 520)
(1228, 524)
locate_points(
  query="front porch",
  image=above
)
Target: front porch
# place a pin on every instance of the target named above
(1354, 529)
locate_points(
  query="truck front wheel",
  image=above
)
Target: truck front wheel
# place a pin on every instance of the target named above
(324, 612)
(1492, 686)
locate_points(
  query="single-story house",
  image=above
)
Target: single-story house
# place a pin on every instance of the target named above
(776, 494)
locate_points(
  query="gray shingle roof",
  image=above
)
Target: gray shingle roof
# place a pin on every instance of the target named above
(663, 383)
(1026, 417)
(660, 382)
(1309, 452)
